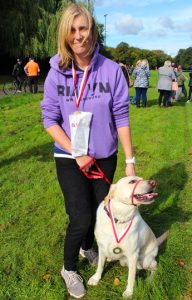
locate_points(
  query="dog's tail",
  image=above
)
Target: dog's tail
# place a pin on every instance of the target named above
(162, 238)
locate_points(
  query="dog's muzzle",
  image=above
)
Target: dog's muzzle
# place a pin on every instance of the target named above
(145, 198)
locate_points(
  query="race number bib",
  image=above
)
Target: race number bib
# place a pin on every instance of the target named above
(80, 128)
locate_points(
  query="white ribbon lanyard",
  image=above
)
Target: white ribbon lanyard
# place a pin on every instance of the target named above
(82, 86)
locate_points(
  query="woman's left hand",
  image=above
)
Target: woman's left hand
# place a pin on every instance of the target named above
(130, 170)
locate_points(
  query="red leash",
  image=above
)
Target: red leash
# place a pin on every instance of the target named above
(91, 174)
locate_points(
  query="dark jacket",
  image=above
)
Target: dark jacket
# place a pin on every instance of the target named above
(18, 70)
(190, 78)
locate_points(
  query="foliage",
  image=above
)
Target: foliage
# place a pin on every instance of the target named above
(124, 53)
(121, 52)
(161, 57)
(26, 27)
(184, 58)
(32, 216)
(30, 27)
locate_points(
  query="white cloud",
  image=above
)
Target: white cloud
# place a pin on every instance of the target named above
(160, 33)
(166, 22)
(186, 26)
(129, 25)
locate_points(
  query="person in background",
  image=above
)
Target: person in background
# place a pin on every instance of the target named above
(138, 64)
(190, 87)
(32, 70)
(130, 69)
(166, 77)
(173, 93)
(180, 81)
(18, 74)
(141, 83)
(125, 72)
(82, 83)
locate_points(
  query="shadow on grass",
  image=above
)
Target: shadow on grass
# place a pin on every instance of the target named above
(41, 153)
(154, 101)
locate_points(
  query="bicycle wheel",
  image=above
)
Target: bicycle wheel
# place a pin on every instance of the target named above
(26, 86)
(9, 88)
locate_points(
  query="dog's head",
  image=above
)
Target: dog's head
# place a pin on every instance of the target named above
(132, 190)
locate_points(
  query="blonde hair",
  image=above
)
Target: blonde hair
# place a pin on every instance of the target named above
(138, 63)
(64, 30)
(144, 62)
(167, 63)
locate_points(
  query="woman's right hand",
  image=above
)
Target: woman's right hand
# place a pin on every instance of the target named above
(86, 161)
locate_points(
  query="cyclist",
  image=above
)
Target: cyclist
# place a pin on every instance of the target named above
(18, 74)
(32, 70)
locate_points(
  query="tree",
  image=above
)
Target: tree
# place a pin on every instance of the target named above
(30, 27)
(125, 53)
(184, 58)
(121, 52)
(25, 26)
(161, 57)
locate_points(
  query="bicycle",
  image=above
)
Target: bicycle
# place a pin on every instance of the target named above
(10, 88)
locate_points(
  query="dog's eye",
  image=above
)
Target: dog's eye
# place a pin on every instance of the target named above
(133, 181)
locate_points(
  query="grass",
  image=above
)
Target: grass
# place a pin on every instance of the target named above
(33, 220)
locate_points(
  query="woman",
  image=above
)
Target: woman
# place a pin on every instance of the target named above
(190, 87)
(181, 83)
(83, 83)
(137, 65)
(141, 83)
(166, 77)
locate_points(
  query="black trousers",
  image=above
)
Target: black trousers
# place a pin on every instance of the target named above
(33, 80)
(190, 92)
(82, 197)
(19, 81)
(164, 95)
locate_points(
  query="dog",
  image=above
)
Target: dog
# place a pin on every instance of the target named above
(136, 246)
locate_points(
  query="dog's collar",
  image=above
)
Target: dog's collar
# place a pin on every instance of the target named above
(133, 192)
(115, 219)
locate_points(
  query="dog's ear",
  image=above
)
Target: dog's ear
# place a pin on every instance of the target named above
(110, 194)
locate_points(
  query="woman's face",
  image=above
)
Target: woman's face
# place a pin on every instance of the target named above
(79, 31)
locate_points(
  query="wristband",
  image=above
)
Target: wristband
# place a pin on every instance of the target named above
(130, 161)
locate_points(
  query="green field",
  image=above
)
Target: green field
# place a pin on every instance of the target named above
(33, 220)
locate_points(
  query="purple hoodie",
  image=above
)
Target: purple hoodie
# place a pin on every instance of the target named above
(105, 95)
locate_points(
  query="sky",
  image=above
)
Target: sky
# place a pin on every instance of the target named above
(147, 24)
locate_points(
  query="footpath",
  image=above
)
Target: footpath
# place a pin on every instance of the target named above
(40, 90)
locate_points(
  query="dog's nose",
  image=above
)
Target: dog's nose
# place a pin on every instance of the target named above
(152, 182)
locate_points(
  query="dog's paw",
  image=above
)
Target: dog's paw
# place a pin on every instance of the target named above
(127, 294)
(123, 263)
(93, 280)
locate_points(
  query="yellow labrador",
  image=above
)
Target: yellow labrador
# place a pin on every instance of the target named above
(122, 234)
